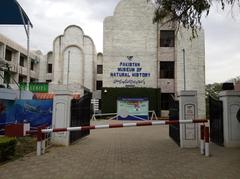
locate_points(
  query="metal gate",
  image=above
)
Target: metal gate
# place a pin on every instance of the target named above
(80, 116)
(174, 129)
(216, 120)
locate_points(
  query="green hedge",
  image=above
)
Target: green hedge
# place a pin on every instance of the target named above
(7, 147)
(110, 96)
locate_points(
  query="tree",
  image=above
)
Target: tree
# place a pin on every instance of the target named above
(186, 12)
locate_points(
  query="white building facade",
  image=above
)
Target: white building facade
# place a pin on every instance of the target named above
(138, 53)
(15, 56)
(74, 56)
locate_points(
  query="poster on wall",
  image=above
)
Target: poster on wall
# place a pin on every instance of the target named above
(6, 110)
(130, 72)
(36, 112)
(132, 108)
(189, 114)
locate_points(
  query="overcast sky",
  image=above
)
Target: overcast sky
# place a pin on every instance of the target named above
(50, 18)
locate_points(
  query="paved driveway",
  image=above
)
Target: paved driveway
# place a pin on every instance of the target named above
(143, 152)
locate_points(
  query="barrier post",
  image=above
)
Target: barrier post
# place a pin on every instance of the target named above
(43, 146)
(188, 110)
(206, 138)
(39, 141)
(202, 147)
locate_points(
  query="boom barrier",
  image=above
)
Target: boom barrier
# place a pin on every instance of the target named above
(41, 132)
(137, 124)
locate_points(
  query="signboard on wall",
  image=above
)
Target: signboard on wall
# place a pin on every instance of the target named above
(132, 108)
(189, 114)
(36, 112)
(130, 72)
(35, 87)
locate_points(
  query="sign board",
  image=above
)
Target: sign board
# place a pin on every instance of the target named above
(132, 108)
(189, 114)
(35, 87)
(95, 103)
(130, 72)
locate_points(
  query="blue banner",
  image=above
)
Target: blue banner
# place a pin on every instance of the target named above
(6, 110)
(35, 112)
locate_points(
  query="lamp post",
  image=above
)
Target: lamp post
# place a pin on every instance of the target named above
(184, 69)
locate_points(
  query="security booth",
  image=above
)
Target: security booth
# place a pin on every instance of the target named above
(70, 111)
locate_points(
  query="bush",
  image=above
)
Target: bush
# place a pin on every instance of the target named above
(7, 148)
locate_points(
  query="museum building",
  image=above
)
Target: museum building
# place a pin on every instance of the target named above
(140, 54)
(140, 59)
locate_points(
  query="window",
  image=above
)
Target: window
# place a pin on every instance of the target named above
(167, 38)
(49, 68)
(8, 55)
(7, 77)
(32, 65)
(32, 80)
(166, 98)
(167, 70)
(21, 79)
(48, 81)
(99, 69)
(99, 85)
(21, 63)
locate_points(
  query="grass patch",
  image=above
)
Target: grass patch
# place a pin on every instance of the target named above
(24, 145)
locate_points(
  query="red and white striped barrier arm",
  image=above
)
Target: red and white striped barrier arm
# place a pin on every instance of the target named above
(137, 124)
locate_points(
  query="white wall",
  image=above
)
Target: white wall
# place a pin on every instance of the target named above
(130, 32)
(81, 60)
(194, 65)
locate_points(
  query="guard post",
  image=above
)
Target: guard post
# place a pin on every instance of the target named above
(188, 111)
(61, 116)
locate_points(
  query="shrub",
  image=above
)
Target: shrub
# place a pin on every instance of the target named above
(7, 148)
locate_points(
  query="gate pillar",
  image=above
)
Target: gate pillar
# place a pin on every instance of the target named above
(231, 118)
(61, 116)
(188, 109)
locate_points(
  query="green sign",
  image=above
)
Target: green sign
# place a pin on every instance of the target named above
(35, 87)
(131, 108)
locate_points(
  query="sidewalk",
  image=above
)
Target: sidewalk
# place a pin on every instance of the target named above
(126, 153)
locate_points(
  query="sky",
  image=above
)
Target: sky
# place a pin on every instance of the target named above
(51, 17)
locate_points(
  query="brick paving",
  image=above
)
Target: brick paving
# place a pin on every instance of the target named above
(126, 153)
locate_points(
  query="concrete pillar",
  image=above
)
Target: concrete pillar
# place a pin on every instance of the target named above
(188, 111)
(2, 57)
(231, 118)
(61, 116)
(1, 77)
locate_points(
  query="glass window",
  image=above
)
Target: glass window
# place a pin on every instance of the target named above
(8, 55)
(32, 80)
(49, 68)
(32, 65)
(167, 38)
(22, 59)
(99, 85)
(99, 69)
(21, 78)
(167, 70)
